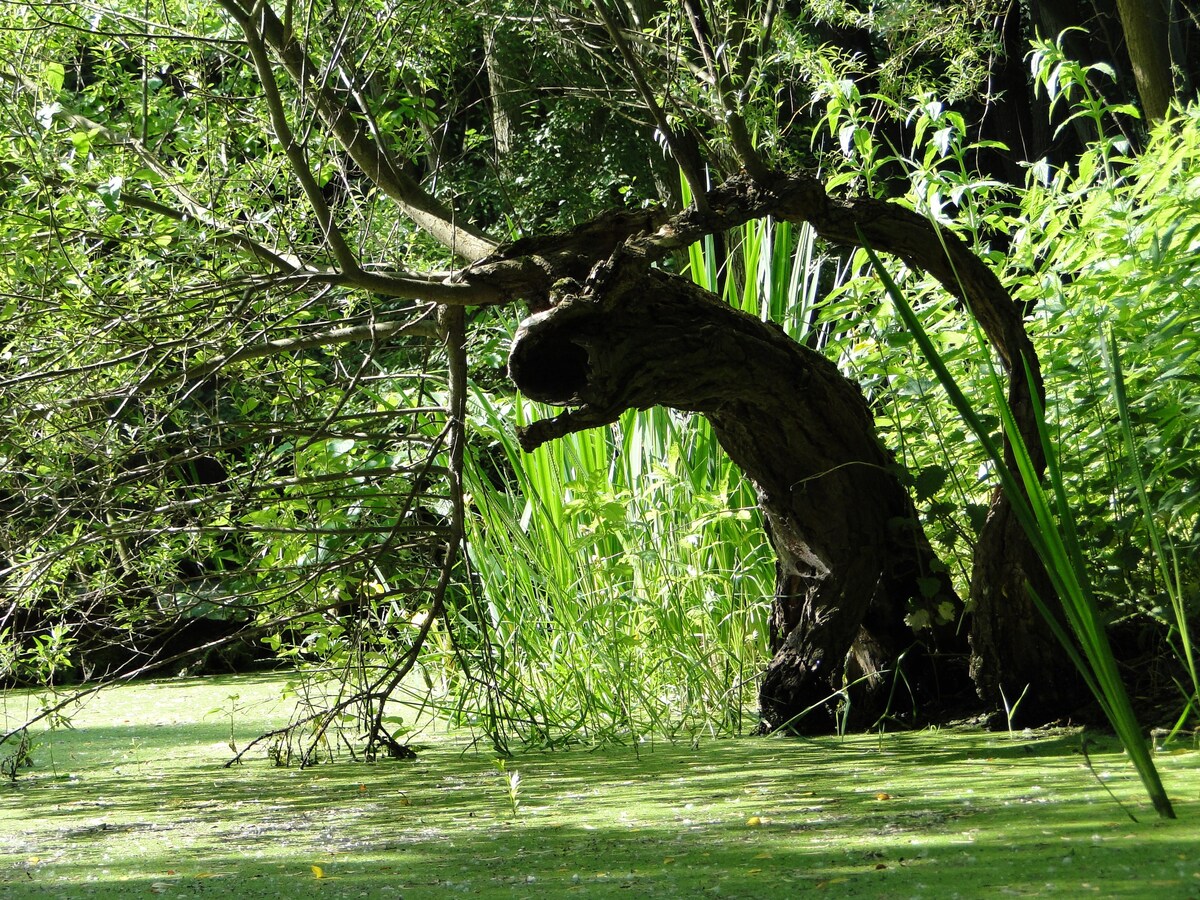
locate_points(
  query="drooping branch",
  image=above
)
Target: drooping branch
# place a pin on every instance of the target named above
(188, 206)
(452, 325)
(888, 227)
(379, 330)
(432, 287)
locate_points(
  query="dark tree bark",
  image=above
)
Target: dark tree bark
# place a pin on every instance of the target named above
(852, 557)
(1015, 662)
(1011, 648)
(1146, 33)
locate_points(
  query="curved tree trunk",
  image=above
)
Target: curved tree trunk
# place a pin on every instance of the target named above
(1011, 647)
(852, 557)
(1016, 663)
(636, 338)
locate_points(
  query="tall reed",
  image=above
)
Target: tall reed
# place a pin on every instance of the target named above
(1047, 518)
(1163, 551)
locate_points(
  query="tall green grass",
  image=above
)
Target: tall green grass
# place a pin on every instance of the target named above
(1119, 236)
(1048, 520)
(1165, 554)
(622, 581)
(621, 576)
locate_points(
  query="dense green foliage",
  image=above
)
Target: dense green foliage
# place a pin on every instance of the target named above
(210, 422)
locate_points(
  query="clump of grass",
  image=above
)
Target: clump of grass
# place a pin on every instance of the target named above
(620, 585)
(512, 785)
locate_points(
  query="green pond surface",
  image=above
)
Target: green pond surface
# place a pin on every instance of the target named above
(134, 801)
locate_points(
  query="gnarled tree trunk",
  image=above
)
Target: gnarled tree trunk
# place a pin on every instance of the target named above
(636, 338)
(852, 557)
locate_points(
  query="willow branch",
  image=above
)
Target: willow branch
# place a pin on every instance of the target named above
(425, 210)
(295, 153)
(452, 325)
(443, 288)
(683, 150)
(284, 262)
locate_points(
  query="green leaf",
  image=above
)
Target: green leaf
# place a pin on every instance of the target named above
(110, 192)
(929, 481)
(53, 75)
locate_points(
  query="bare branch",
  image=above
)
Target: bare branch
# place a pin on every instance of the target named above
(452, 324)
(285, 262)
